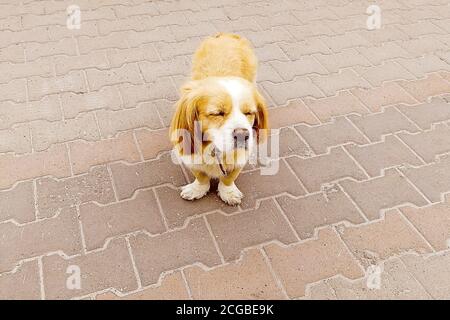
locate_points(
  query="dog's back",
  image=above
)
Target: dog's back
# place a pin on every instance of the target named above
(224, 54)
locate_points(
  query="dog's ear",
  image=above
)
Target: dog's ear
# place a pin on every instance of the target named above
(183, 126)
(261, 124)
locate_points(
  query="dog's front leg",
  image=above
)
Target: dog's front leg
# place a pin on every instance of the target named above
(196, 189)
(227, 190)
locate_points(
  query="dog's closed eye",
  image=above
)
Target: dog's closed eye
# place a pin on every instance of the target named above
(217, 113)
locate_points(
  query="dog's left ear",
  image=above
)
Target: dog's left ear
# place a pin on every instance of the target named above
(261, 124)
(183, 127)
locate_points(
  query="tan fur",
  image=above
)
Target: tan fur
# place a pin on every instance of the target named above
(223, 55)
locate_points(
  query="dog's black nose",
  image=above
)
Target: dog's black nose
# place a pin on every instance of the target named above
(241, 137)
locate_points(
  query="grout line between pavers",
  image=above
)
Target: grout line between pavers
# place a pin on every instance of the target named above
(186, 284)
(413, 186)
(413, 227)
(113, 184)
(161, 211)
(69, 158)
(80, 227)
(350, 252)
(356, 205)
(293, 173)
(135, 269)
(41, 278)
(273, 273)
(410, 149)
(407, 118)
(216, 245)
(358, 129)
(138, 147)
(417, 280)
(286, 218)
(355, 161)
(35, 198)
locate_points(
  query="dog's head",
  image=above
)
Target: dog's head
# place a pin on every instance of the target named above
(227, 113)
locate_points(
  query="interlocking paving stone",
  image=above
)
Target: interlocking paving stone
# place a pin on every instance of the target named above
(151, 71)
(295, 112)
(129, 178)
(421, 89)
(291, 69)
(396, 283)
(390, 93)
(433, 180)
(54, 161)
(102, 222)
(290, 143)
(128, 73)
(308, 46)
(65, 64)
(423, 65)
(18, 203)
(316, 171)
(119, 57)
(47, 109)
(73, 104)
(433, 222)
(343, 103)
(109, 268)
(112, 122)
(388, 71)
(84, 154)
(255, 185)
(429, 144)
(23, 284)
(389, 153)
(345, 79)
(346, 58)
(177, 210)
(153, 142)
(386, 51)
(339, 131)
(39, 87)
(432, 272)
(16, 140)
(382, 239)
(249, 278)
(384, 192)
(236, 232)
(31, 240)
(172, 250)
(53, 194)
(47, 133)
(293, 264)
(171, 288)
(281, 93)
(378, 124)
(161, 89)
(424, 115)
(317, 210)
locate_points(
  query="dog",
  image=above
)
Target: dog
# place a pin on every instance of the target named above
(220, 116)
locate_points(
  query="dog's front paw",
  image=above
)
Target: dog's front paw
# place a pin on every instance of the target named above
(229, 194)
(194, 190)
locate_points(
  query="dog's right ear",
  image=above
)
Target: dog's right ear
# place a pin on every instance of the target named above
(182, 128)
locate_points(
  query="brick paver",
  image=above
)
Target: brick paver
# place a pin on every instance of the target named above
(363, 178)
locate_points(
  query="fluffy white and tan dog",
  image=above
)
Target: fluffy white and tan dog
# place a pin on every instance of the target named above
(220, 116)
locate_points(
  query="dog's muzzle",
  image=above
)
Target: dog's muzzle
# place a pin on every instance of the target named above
(241, 138)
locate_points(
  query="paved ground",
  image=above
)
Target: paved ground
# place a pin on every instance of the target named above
(358, 208)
